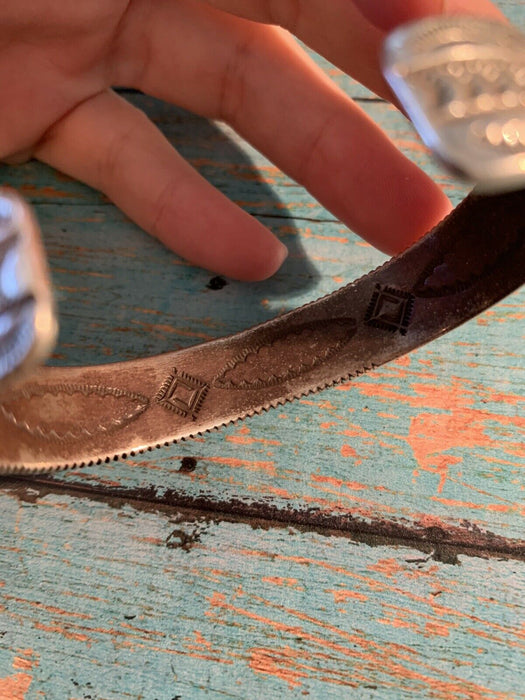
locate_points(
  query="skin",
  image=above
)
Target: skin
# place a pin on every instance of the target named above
(231, 60)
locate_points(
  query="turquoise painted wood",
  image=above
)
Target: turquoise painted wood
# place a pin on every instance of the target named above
(365, 541)
(126, 601)
(433, 440)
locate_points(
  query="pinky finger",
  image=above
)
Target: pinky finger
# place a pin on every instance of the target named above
(112, 146)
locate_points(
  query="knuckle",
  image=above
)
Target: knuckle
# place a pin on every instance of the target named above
(163, 203)
(232, 88)
(314, 147)
(112, 158)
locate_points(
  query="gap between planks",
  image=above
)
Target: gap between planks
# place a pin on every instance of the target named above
(443, 543)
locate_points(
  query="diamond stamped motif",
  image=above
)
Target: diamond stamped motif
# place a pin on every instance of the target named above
(183, 394)
(390, 309)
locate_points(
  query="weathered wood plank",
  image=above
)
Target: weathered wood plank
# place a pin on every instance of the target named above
(432, 442)
(112, 601)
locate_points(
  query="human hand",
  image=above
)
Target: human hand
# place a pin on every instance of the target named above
(222, 59)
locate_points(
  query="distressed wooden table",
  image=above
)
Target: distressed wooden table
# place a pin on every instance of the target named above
(365, 542)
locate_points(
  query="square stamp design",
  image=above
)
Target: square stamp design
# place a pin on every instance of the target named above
(390, 309)
(183, 394)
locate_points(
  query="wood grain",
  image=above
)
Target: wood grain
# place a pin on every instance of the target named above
(366, 541)
(122, 601)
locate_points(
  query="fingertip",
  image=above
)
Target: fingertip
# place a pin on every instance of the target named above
(257, 263)
(423, 206)
(212, 232)
(271, 262)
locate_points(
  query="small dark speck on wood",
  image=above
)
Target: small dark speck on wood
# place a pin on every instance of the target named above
(180, 539)
(217, 283)
(188, 465)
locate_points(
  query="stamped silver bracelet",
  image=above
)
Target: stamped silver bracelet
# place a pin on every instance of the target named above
(462, 82)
